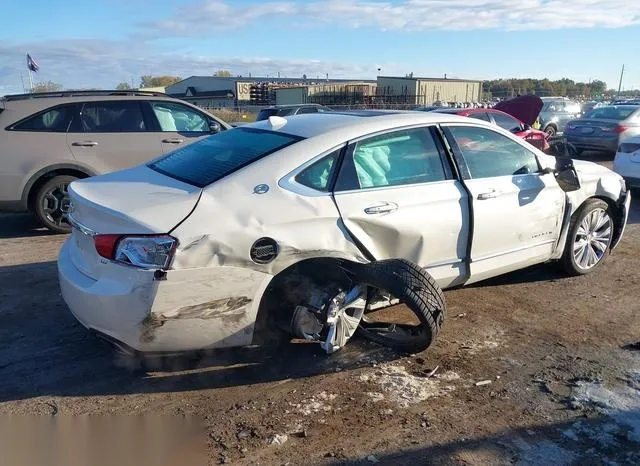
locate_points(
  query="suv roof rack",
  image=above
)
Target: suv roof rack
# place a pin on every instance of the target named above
(42, 95)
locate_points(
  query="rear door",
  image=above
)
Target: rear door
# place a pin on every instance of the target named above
(397, 196)
(178, 125)
(517, 210)
(112, 135)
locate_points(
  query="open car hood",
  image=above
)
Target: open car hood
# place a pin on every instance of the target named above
(525, 108)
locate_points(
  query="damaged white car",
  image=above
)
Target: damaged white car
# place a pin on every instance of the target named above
(323, 225)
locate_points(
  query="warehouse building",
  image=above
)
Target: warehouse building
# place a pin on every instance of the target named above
(426, 91)
(213, 91)
(327, 94)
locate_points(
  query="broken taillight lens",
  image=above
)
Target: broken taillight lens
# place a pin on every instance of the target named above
(139, 251)
(106, 245)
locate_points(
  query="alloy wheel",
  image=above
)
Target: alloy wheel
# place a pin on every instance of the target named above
(56, 204)
(592, 239)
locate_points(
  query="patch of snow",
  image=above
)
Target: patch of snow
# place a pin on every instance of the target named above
(544, 452)
(622, 405)
(404, 388)
(315, 404)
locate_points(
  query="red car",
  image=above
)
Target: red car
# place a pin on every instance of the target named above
(510, 115)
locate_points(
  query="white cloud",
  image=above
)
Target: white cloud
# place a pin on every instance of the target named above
(407, 15)
(103, 63)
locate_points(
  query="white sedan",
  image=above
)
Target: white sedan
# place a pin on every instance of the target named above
(323, 225)
(627, 161)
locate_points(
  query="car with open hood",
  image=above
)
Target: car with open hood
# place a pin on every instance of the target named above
(516, 116)
(321, 226)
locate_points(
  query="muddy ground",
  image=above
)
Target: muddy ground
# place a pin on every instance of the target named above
(532, 368)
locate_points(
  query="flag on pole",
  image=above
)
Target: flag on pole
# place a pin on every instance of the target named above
(32, 64)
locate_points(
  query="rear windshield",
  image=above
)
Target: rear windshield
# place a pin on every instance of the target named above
(219, 155)
(612, 113)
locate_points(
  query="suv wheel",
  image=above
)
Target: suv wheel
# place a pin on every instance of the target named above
(52, 203)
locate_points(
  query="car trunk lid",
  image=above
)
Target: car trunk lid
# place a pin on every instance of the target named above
(592, 127)
(138, 201)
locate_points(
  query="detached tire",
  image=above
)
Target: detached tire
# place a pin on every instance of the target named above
(589, 238)
(51, 203)
(416, 289)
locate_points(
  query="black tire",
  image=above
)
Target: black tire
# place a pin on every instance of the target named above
(551, 131)
(51, 203)
(568, 260)
(415, 288)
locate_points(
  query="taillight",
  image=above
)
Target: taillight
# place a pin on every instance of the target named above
(616, 129)
(139, 251)
(106, 245)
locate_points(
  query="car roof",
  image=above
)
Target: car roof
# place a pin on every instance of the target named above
(291, 106)
(355, 124)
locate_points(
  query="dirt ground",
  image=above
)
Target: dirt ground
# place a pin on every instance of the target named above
(532, 368)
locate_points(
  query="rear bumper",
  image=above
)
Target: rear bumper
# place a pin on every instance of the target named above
(189, 310)
(599, 144)
(627, 169)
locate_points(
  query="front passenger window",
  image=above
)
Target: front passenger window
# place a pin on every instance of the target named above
(488, 153)
(174, 117)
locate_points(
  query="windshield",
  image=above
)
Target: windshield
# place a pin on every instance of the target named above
(219, 155)
(612, 113)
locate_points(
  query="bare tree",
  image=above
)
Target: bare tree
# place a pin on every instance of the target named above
(48, 86)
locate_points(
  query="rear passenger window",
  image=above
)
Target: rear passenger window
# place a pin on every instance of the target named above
(393, 159)
(112, 117)
(318, 174)
(480, 116)
(54, 120)
(308, 110)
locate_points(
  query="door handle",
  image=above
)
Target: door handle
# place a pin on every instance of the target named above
(84, 144)
(381, 209)
(488, 195)
(173, 141)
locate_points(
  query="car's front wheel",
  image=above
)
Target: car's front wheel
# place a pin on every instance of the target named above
(52, 203)
(589, 237)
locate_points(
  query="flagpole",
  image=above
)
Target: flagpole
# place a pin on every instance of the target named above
(30, 80)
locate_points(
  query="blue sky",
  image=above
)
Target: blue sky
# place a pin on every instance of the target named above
(100, 43)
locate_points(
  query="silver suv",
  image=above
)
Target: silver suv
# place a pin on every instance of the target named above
(48, 140)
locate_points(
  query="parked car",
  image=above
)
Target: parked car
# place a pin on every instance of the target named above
(627, 161)
(49, 140)
(288, 110)
(555, 114)
(312, 226)
(506, 121)
(604, 128)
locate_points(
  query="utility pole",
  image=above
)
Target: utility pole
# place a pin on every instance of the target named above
(620, 84)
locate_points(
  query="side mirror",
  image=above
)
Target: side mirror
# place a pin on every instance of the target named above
(565, 174)
(214, 127)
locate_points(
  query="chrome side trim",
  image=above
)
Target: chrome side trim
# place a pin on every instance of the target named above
(85, 230)
(503, 253)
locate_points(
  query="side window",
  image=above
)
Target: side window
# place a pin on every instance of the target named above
(480, 116)
(179, 118)
(112, 117)
(490, 154)
(507, 122)
(307, 110)
(318, 175)
(392, 159)
(55, 120)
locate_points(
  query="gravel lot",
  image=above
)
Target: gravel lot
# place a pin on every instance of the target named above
(559, 374)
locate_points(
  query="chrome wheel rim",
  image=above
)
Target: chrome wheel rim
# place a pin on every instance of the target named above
(592, 239)
(56, 203)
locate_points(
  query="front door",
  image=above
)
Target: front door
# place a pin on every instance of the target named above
(112, 135)
(517, 210)
(397, 197)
